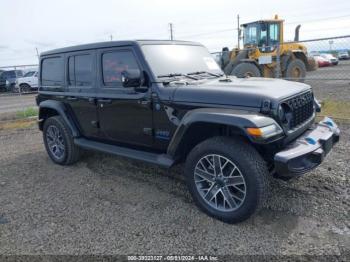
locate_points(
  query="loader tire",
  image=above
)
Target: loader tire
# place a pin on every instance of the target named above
(244, 70)
(296, 70)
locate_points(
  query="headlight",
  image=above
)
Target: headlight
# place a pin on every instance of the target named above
(265, 132)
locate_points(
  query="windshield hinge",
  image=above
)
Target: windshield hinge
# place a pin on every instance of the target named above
(266, 106)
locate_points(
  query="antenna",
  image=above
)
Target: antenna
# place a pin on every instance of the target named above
(238, 33)
(171, 31)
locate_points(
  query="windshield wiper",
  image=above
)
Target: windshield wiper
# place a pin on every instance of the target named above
(205, 72)
(177, 74)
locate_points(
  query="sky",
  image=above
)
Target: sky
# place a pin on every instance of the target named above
(49, 24)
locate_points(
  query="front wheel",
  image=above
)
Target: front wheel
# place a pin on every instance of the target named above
(227, 178)
(24, 88)
(245, 69)
(296, 70)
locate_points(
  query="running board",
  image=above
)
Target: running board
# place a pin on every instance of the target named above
(158, 159)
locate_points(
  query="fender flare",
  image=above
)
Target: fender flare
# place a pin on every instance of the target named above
(61, 110)
(299, 54)
(238, 119)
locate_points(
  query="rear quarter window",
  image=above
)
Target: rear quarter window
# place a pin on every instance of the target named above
(52, 71)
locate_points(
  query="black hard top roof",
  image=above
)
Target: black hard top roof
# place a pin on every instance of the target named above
(115, 44)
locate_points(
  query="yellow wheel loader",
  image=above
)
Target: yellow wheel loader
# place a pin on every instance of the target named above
(266, 54)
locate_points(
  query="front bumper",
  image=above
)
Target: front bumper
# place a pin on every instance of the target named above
(308, 151)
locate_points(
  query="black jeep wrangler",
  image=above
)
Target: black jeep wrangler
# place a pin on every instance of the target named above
(168, 102)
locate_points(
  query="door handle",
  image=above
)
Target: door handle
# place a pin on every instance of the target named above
(144, 102)
(105, 101)
(72, 98)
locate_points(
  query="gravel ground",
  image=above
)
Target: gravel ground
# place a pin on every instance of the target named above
(333, 88)
(108, 205)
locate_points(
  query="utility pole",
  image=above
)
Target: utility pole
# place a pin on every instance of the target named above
(111, 36)
(238, 33)
(171, 31)
(37, 52)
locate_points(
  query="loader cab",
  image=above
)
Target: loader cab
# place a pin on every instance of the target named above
(265, 35)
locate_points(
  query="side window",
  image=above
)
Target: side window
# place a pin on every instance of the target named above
(263, 36)
(114, 63)
(52, 71)
(83, 70)
(274, 37)
(80, 71)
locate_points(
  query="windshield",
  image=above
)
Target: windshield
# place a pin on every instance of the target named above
(31, 73)
(261, 34)
(169, 59)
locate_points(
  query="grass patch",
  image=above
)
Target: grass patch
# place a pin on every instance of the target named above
(28, 112)
(336, 109)
(19, 124)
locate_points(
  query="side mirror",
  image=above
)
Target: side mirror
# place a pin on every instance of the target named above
(132, 78)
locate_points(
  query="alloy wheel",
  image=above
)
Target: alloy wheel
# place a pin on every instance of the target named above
(220, 183)
(55, 142)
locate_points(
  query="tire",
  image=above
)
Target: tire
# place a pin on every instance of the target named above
(250, 169)
(24, 88)
(296, 70)
(243, 70)
(66, 152)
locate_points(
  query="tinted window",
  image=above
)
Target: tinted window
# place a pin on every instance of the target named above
(114, 63)
(83, 70)
(80, 70)
(9, 74)
(52, 71)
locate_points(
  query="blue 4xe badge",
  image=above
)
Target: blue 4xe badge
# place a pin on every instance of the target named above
(163, 134)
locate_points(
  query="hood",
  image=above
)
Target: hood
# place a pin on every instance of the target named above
(243, 92)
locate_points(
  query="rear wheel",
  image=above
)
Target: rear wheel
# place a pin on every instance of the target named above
(227, 178)
(243, 70)
(296, 70)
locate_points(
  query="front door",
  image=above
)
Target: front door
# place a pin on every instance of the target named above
(81, 98)
(125, 114)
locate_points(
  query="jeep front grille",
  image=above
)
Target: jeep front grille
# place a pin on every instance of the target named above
(302, 109)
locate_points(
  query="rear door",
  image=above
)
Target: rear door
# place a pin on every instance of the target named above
(81, 96)
(125, 114)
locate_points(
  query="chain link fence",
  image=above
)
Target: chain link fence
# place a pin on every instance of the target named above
(324, 59)
(327, 64)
